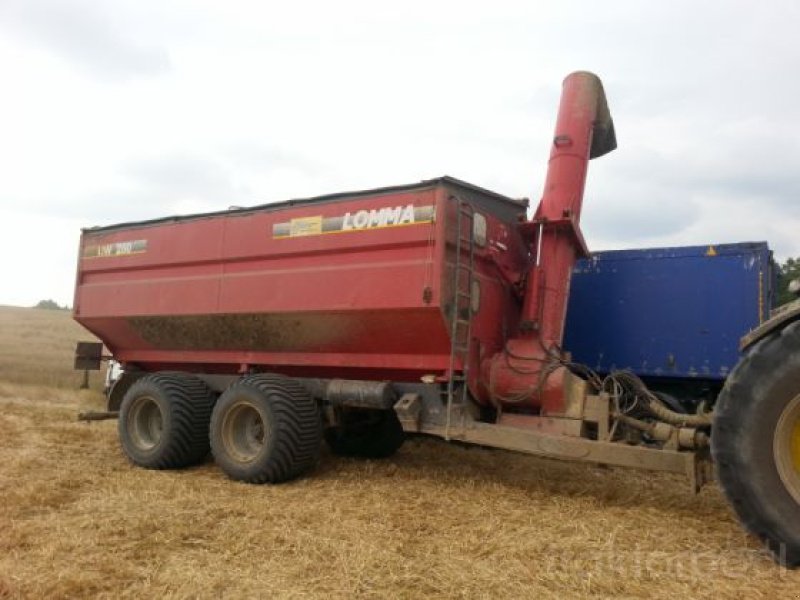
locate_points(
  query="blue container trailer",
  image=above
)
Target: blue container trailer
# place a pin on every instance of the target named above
(673, 316)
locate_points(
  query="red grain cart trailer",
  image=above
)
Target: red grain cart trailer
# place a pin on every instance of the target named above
(435, 308)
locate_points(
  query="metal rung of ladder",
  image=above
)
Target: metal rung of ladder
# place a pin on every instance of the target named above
(460, 328)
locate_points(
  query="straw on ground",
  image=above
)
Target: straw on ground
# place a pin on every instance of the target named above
(436, 520)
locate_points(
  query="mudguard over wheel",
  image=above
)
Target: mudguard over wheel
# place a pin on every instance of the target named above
(266, 429)
(366, 433)
(163, 421)
(756, 442)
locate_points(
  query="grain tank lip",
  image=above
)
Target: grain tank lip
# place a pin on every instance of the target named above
(722, 249)
(313, 200)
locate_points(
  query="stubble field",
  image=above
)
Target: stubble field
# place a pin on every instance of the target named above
(436, 520)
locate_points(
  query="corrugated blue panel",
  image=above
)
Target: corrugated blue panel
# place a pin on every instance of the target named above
(668, 312)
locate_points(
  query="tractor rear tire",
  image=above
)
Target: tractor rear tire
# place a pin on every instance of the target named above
(366, 434)
(163, 421)
(756, 442)
(266, 429)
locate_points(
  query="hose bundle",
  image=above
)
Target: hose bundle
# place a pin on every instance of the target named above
(630, 392)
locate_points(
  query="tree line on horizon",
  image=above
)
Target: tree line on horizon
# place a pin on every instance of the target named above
(51, 305)
(787, 271)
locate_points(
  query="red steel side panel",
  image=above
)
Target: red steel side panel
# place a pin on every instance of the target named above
(357, 287)
(313, 285)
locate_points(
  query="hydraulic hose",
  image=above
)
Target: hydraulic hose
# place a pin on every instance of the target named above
(663, 413)
(628, 385)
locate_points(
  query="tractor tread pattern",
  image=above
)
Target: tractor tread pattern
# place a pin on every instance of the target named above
(737, 412)
(189, 403)
(298, 420)
(297, 429)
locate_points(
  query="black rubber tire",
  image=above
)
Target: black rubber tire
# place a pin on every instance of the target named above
(291, 429)
(184, 403)
(366, 434)
(746, 416)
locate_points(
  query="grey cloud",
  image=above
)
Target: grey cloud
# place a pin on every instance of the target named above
(87, 35)
(257, 156)
(165, 185)
(638, 216)
(182, 176)
(750, 170)
(776, 192)
(151, 188)
(764, 179)
(157, 186)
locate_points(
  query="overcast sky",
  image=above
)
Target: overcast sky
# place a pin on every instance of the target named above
(119, 110)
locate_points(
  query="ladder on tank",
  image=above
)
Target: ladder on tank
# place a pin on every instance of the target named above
(461, 318)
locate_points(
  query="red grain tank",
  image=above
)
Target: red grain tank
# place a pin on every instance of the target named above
(355, 285)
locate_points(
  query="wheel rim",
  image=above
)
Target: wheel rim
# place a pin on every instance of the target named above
(244, 432)
(787, 447)
(146, 423)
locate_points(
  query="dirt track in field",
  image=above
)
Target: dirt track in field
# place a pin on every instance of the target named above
(437, 520)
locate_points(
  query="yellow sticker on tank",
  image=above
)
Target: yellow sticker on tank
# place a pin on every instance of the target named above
(305, 226)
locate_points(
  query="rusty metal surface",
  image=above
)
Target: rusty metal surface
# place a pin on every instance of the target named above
(296, 332)
(247, 332)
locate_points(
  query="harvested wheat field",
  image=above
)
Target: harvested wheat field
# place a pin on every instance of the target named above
(437, 520)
